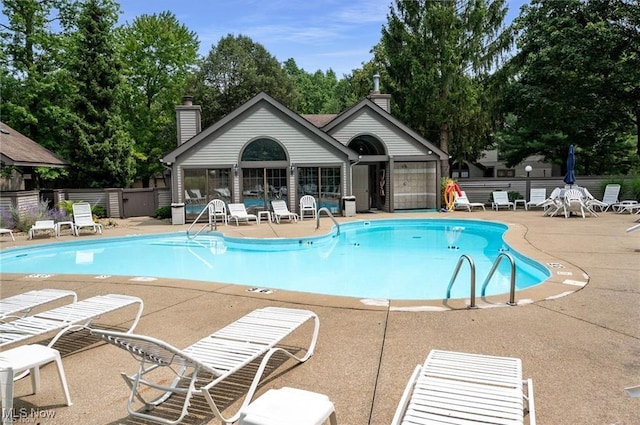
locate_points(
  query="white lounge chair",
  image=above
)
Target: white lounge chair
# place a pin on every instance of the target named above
(65, 318)
(553, 204)
(463, 388)
(280, 211)
(609, 199)
(501, 199)
(634, 228)
(8, 232)
(217, 209)
(462, 202)
(308, 205)
(83, 217)
(536, 198)
(43, 225)
(218, 355)
(21, 305)
(238, 212)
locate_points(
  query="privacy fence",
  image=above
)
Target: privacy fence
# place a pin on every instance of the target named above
(124, 203)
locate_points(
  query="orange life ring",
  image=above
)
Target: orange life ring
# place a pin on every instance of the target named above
(450, 191)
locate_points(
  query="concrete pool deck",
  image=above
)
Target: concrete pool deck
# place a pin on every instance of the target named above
(580, 344)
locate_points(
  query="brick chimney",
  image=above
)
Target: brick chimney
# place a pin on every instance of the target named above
(382, 100)
(188, 119)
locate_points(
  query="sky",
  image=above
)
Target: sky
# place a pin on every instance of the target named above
(317, 34)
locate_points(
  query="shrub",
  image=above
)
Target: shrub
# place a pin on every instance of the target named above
(635, 189)
(163, 212)
(99, 211)
(66, 206)
(27, 217)
(6, 220)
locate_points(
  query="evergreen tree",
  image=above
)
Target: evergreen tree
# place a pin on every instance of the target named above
(437, 54)
(103, 154)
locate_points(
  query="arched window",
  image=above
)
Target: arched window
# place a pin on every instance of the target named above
(264, 150)
(367, 145)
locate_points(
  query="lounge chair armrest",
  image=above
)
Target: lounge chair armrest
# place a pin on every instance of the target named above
(530, 402)
(406, 397)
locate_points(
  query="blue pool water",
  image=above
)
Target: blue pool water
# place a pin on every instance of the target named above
(387, 259)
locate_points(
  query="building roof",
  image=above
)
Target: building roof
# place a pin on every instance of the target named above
(319, 120)
(372, 106)
(19, 150)
(245, 108)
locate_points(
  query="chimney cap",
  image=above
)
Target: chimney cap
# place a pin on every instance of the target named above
(187, 100)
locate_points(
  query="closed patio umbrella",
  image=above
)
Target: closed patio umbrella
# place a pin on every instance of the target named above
(570, 177)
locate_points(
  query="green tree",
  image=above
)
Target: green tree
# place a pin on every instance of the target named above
(315, 93)
(235, 70)
(577, 82)
(157, 52)
(103, 151)
(36, 88)
(437, 54)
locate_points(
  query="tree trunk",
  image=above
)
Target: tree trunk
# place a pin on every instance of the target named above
(444, 145)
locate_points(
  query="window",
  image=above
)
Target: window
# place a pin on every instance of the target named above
(264, 150)
(323, 183)
(507, 173)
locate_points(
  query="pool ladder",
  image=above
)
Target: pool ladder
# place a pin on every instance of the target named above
(325, 209)
(496, 263)
(214, 224)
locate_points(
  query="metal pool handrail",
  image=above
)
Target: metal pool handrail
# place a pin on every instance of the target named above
(472, 303)
(215, 222)
(512, 290)
(325, 209)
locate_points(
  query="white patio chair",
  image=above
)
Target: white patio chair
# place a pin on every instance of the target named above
(66, 318)
(462, 202)
(308, 205)
(218, 355)
(573, 202)
(501, 199)
(42, 225)
(21, 305)
(463, 388)
(280, 211)
(83, 217)
(238, 212)
(536, 198)
(217, 209)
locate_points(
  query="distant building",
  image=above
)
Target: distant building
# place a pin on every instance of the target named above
(264, 151)
(19, 155)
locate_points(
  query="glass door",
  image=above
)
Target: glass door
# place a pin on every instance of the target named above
(261, 185)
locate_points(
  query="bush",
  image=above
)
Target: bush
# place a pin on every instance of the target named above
(163, 212)
(6, 220)
(635, 189)
(99, 211)
(24, 219)
(66, 206)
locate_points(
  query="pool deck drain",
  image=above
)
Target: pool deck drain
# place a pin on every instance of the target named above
(579, 343)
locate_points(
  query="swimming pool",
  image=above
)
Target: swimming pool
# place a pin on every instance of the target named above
(380, 259)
